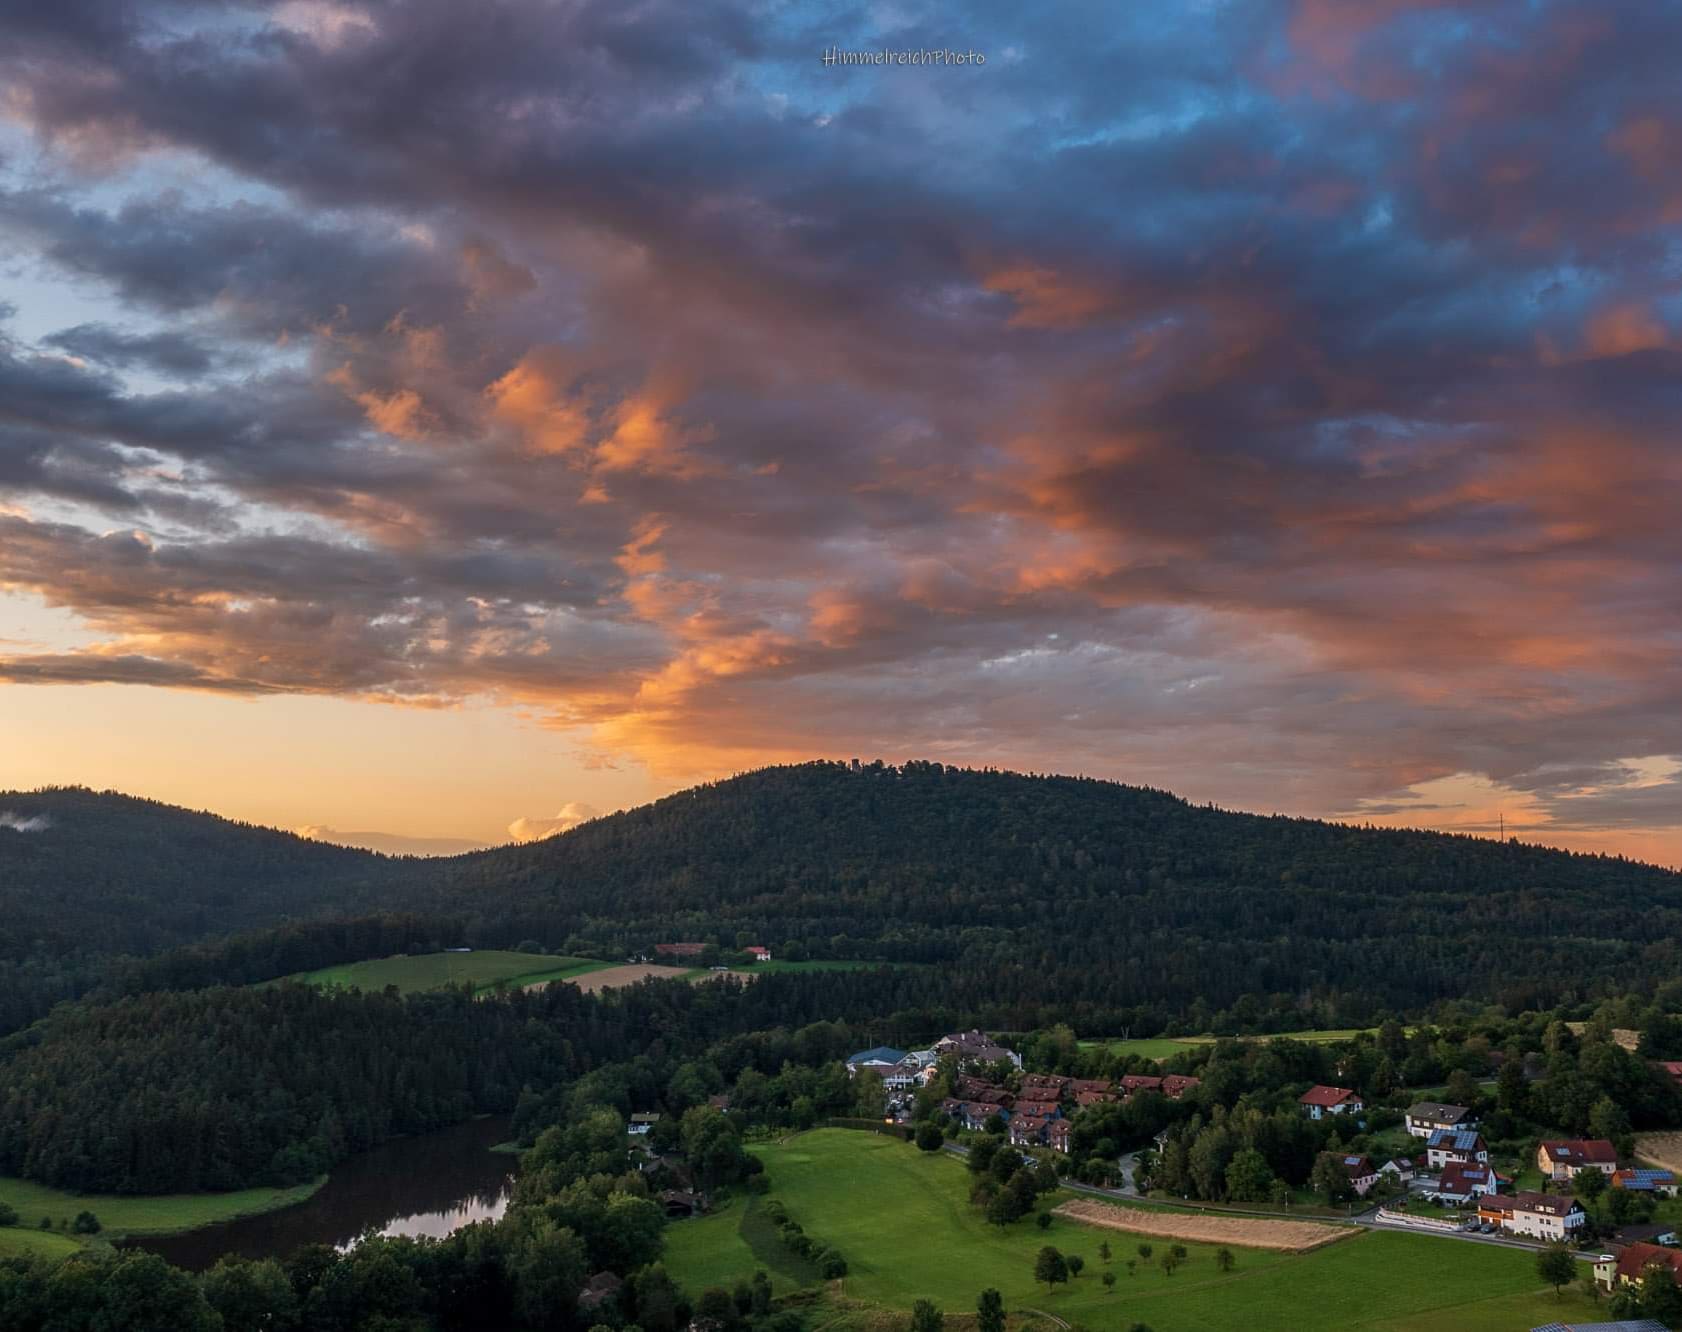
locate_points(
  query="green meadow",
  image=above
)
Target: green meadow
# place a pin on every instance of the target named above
(15, 1241)
(484, 970)
(1162, 1047)
(141, 1214)
(903, 1220)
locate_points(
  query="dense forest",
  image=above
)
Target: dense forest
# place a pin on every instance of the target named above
(1114, 905)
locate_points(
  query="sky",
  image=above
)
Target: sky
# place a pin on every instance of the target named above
(450, 421)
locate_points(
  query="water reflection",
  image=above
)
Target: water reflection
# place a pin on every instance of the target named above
(428, 1185)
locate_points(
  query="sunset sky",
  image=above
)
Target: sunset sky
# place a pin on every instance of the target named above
(451, 419)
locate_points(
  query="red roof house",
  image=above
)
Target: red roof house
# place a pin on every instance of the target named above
(1319, 1101)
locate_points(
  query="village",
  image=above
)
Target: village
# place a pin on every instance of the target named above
(1441, 1177)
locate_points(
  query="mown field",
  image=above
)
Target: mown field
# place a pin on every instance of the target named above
(18, 1240)
(903, 1221)
(431, 971)
(138, 1214)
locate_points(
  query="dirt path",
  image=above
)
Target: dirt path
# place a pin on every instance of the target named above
(1662, 1149)
(1247, 1232)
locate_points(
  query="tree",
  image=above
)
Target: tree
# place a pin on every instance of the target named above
(1043, 1220)
(1145, 1252)
(762, 1293)
(1558, 1268)
(1109, 1283)
(250, 1296)
(1249, 1178)
(1168, 1262)
(86, 1223)
(925, 1317)
(1076, 1263)
(1589, 1184)
(1050, 1268)
(1331, 1177)
(1104, 1251)
(8, 1214)
(1001, 1208)
(929, 1137)
(1512, 1092)
(1224, 1259)
(981, 1154)
(990, 1312)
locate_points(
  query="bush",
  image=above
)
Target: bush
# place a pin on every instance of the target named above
(8, 1214)
(86, 1223)
(831, 1265)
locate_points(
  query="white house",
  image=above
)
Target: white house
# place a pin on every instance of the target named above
(1427, 1117)
(1562, 1160)
(1462, 1145)
(1545, 1216)
(1318, 1102)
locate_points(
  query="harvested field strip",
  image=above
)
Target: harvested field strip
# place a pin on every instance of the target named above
(1662, 1149)
(1247, 1232)
(612, 977)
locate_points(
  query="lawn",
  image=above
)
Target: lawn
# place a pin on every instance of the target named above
(145, 1214)
(903, 1221)
(17, 1240)
(431, 971)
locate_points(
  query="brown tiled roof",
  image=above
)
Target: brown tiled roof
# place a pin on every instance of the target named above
(1326, 1096)
(1634, 1261)
(1582, 1151)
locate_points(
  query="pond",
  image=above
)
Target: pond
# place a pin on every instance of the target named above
(427, 1185)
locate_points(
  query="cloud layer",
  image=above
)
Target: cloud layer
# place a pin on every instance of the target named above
(1277, 402)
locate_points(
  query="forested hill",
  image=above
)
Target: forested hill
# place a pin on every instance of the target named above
(1049, 890)
(1126, 892)
(97, 870)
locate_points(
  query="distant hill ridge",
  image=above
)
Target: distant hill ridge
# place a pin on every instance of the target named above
(1124, 891)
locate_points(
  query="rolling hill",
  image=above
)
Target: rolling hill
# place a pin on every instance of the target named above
(1031, 892)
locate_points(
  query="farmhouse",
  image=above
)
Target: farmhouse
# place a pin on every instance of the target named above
(1427, 1117)
(1630, 1266)
(1545, 1216)
(1450, 1145)
(680, 949)
(1562, 1160)
(1642, 1180)
(642, 1123)
(1318, 1102)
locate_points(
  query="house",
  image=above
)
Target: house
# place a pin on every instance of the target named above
(1088, 1085)
(1672, 1068)
(976, 1047)
(1427, 1117)
(680, 949)
(1176, 1085)
(879, 1060)
(1057, 1135)
(1545, 1216)
(1027, 1130)
(598, 1290)
(1643, 1180)
(1461, 1182)
(721, 1102)
(683, 1202)
(1040, 1109)
(1494, 1209)
(1399, 1168)
(641, 1124)
(1630, 1266)
(1047, 1086)
(1362, 1175)
(1318, 1102)
(1562, 1160)
(1463, 1145)
(757, 953)
(1134, 1083)
(973, 1115)
(1645, 1232)
(1086, 1099)
(907, 1073)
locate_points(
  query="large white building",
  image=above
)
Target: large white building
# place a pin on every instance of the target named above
(1545, 1216)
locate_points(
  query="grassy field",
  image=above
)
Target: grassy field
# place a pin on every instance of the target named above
(431, 971)
(17, 1240)
(161, 1214)
(1161, 1047)
(903, 1220)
